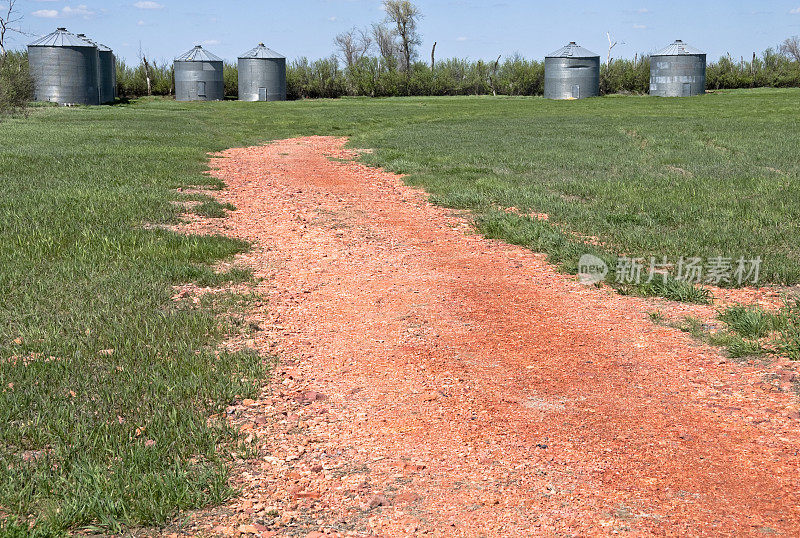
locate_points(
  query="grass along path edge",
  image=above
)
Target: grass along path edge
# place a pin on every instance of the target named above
(98, 360)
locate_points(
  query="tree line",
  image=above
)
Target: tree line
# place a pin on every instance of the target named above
(383, 60)
(376, 76)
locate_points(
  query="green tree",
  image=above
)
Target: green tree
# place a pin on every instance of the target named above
(16, 84)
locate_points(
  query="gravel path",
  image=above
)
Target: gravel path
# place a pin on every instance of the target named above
(435, 382)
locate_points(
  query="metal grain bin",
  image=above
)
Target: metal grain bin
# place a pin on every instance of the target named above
(107, 71)
(678, 71)
(65, 69)
(198, 76)
(262, 75)
(108, 74)
(571, 72)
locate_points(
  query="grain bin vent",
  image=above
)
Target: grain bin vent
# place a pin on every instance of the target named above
(571, 72)
(199, 76)
(65, 69)
(678, 70)
(262, 75)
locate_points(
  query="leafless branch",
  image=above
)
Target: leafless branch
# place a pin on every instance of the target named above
(353, 45)
(146, 65)
(384, 40)
(611, 45)
(791, 48)
(493, 78)
(8, 24)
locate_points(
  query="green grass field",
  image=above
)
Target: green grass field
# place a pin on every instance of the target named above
(82, 273)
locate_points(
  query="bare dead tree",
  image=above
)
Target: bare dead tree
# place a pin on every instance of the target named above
(353, 45)
(494, 75)
(433, 56)
(345, 45)
(405, 16)
(384, 40)
(8, 25)
(146, 65)
(791, 48)
(611, 45)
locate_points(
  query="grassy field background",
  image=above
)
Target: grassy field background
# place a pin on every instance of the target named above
(91, 437)
(649, 177)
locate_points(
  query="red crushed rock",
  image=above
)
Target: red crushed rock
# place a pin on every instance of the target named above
(434, 382)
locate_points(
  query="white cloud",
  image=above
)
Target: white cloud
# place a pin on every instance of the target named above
(640, 27)
(642, 11)
(148, 5)
(332, 19)
(81, 10)
(211, 42)
(140, 23)
(78, 11)
(795, 11)
(45, 13)
(462, 38)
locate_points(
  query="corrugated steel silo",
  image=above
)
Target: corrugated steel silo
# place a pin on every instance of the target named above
(571, 72)
(678, 71)
(199, 76)
(107, 71)
(262, 75)
(108, 74)
(65, 69)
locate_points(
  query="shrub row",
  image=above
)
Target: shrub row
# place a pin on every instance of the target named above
(381, 77)
(16, 85)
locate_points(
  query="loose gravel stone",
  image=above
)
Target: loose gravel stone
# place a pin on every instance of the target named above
(469, 381)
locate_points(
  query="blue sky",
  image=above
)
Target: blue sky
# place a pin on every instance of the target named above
(463, 28)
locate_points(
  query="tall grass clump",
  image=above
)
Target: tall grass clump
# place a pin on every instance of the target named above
(752, 328)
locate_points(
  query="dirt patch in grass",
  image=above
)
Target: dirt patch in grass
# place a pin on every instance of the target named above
(679, 170)
(438, 382)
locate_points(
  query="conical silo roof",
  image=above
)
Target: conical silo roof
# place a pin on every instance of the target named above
(261, 52)
(198, 54)
(572, 50)
(679, 48)
(100, 46)
(61, 38)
